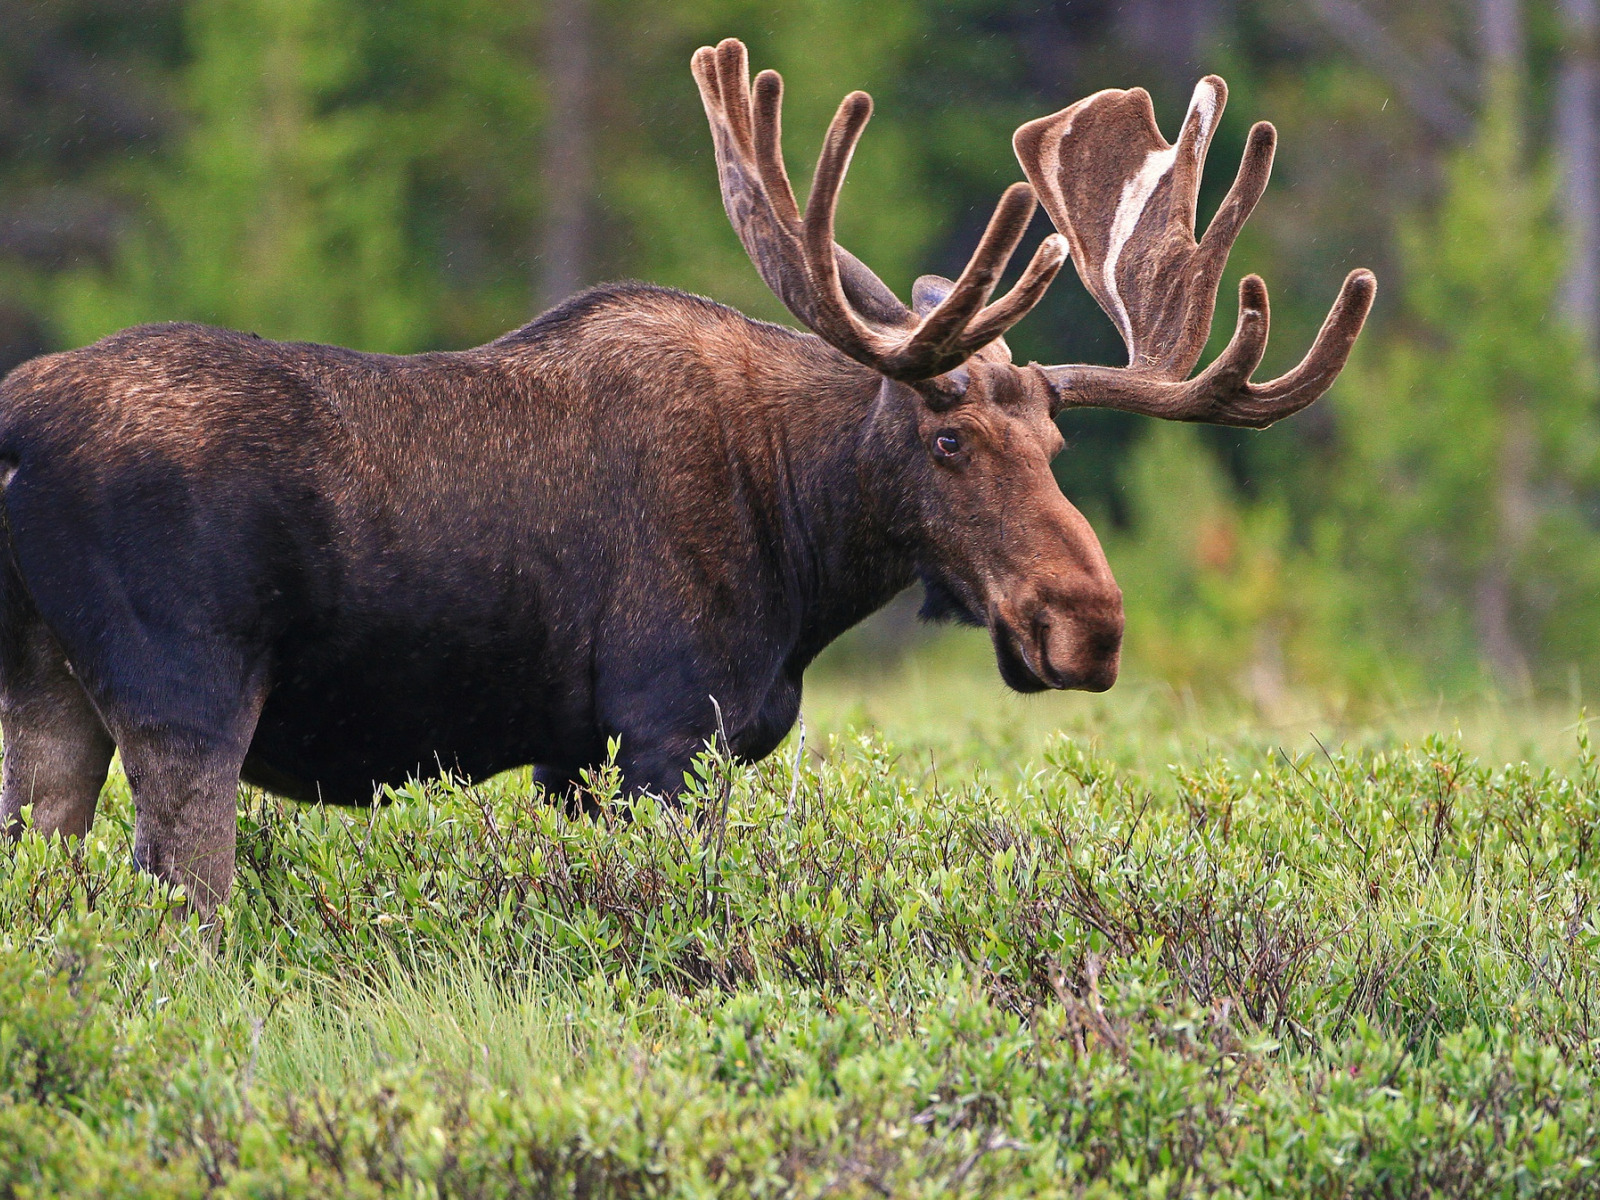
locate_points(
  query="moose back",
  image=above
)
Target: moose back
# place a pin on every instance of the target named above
(320, 570)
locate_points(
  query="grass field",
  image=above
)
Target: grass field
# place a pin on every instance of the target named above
(963, 944)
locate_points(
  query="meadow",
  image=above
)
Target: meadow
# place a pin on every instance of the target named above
(958, 942)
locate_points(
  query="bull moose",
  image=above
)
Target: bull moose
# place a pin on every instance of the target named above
(320, 570)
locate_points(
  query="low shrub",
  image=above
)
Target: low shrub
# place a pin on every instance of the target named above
(1345, 974)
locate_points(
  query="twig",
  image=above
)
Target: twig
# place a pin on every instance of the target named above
(995, 1141)
(1366, 851)
(724, 757)
(724, 761)
(794, 780)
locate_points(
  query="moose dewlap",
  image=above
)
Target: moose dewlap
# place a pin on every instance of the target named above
(319, 570)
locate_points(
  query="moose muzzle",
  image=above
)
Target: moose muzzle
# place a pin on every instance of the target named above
(1059, 637)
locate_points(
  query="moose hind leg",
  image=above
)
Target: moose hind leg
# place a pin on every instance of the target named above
(185, 785)
(57, 751)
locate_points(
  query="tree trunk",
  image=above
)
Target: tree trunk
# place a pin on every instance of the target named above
(1493, 615)
(564, 252)
(1500, 31)
(1577, 98)
(1172, 33)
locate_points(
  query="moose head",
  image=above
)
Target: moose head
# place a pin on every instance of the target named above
(997, 542)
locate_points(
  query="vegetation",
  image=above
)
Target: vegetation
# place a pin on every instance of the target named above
(1161, 942)
(1050, 968)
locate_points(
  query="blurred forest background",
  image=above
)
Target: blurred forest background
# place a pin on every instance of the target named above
(417, 174)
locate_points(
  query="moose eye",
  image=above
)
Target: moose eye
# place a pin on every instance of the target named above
(946, 445)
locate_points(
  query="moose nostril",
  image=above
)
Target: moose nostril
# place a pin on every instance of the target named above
(1041, 642)
(1082, 651)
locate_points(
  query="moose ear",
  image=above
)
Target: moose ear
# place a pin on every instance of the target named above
(928, 292)
(944, 392)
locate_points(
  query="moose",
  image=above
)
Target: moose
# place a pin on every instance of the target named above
(642, 514)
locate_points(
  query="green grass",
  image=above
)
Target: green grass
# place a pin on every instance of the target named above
(978, 944)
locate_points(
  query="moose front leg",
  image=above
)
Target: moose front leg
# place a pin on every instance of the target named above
(563, 785)
(656, 755)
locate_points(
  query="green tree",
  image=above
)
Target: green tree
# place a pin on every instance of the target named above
(1470, 434)
(297, 201)
(1220, 594)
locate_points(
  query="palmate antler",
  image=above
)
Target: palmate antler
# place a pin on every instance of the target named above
(831, 291)
(1125, 200)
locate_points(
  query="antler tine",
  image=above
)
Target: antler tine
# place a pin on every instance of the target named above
(769, 143)
(1249, 185)
(733, 85)
(839, 324)
(1295, 389)
(1242, 355)
(1222, 394)
(829, 289)
(1029, 289)
(1211, 255)
(945, 337)
(946, 333)
(1125, 199)
(937, 344)
(758, 200)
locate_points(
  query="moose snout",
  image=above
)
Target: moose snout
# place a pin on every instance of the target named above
(1061, 639)
(1081, 651)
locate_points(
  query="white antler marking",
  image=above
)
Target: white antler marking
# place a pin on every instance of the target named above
(1136, 194)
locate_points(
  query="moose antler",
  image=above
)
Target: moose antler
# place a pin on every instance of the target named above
(1125, 200)
(831, 291)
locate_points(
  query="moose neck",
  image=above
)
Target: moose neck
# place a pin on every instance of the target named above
(833, 514)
